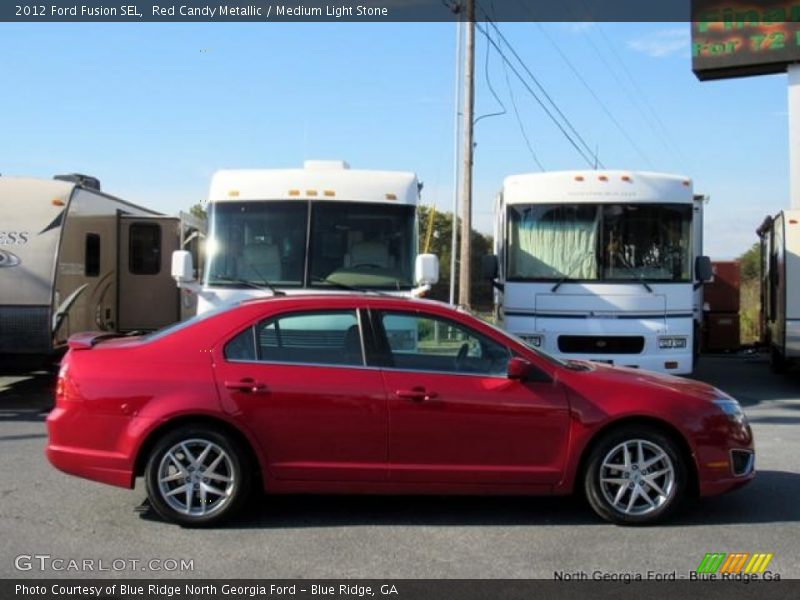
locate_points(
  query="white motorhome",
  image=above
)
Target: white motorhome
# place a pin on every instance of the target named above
(780, 287)
(73, 258)
(320, 228)
(601, 265)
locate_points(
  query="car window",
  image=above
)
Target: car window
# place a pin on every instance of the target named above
(429, 343)
(242, 347)
(320, 338)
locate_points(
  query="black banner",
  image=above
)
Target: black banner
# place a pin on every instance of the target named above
(342, 10)
(400, 589)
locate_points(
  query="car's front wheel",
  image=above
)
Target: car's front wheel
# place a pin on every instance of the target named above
(635, 476)
(197, 475)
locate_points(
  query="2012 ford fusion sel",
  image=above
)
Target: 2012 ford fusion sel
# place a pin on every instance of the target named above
(356, 393)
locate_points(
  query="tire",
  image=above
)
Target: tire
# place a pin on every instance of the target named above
(655, 495)
(215, 495)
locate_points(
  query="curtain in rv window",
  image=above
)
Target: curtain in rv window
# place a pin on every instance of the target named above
(550, 242)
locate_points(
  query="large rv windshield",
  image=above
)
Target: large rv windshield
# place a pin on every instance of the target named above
(600, 242)
(297, 243)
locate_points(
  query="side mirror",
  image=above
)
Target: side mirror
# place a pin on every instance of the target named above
(521, 370)
(702, 268)
(518, 368)
(426, 269)
(489, 266)
(182, 266)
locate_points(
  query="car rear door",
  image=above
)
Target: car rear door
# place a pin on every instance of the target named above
(299, 382)
(454, 414)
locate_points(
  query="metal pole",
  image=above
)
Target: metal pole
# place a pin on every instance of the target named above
(466, 175)
(456, 156)
(794, 135)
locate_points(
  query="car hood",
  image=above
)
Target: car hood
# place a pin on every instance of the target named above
(625, 377)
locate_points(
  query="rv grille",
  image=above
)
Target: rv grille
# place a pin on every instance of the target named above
(600, 344)
(25, 329)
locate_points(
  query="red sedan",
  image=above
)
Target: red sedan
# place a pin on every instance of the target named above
(375, 394)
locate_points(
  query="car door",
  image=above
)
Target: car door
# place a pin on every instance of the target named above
(454, 414)
(299, 382)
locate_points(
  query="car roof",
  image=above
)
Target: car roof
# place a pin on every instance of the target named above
(352, 299)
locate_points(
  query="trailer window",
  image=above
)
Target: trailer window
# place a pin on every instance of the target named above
(92, 255)
(144, 251)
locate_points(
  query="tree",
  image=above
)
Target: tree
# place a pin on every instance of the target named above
(197, 210)
(440, 241)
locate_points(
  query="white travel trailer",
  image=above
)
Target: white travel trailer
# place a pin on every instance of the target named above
(73, 258)
(780, 287)
(601, 265)
(320, 228)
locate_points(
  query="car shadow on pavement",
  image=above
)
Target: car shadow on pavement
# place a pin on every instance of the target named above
(770, 498)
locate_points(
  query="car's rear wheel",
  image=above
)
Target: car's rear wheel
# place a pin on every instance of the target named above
(635, 476)
(197, 475)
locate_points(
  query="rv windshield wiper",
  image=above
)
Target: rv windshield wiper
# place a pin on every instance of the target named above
(344, 286)
(264, 285)
(646, 285)
(564, 279)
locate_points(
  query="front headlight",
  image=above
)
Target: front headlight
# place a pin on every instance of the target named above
(731, 408)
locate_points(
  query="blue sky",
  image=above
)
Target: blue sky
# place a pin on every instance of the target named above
(154, 109)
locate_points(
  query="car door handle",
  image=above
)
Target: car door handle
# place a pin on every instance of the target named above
(417, 394)
(247, 385)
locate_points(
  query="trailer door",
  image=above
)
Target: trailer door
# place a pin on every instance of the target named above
(147, 298)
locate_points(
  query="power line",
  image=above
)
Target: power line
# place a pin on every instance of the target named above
(566, 122)
(519, 120)
(491, 89)
(666, 138)
(594, 95)
(588, 157)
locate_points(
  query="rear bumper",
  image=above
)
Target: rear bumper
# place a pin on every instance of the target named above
(104, 467)
(92, 446)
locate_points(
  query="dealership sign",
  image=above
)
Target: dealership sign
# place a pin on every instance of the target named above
(738, 39)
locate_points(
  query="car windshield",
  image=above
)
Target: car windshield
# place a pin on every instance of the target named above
(600, 242)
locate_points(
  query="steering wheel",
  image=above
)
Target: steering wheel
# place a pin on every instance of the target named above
(462, 354)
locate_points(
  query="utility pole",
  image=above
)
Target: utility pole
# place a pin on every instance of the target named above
(466, 176)
(456, 139)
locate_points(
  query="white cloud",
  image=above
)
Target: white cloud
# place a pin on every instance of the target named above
(579, 26)
(661, 44)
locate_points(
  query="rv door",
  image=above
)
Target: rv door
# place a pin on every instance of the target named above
(147, 297)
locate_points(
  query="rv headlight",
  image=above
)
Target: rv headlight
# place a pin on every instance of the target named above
(672, 342)
(532, 340)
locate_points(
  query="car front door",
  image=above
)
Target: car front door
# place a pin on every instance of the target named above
(455, 416)
(298, 381)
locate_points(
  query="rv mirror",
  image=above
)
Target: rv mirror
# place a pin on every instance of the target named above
(182, 266)
(426, 269)
(702, 268)
(489, 267)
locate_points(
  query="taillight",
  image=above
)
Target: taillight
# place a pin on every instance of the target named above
(65, 387)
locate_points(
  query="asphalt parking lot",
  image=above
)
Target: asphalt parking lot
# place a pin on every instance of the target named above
(47, 513)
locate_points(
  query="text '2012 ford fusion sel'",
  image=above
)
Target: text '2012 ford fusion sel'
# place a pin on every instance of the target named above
(375, 394)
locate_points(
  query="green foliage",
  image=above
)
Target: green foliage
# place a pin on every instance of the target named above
(481, 245)
(750, 294)
(198, 211)
(750, 263)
